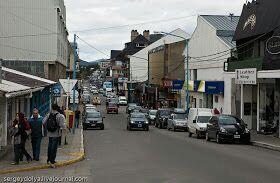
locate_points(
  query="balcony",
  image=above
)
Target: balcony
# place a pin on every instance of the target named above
(247, 63)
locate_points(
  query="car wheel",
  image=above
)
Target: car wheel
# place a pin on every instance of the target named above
(147, 129)
(207, 137)
(197, 135)
(160, 126)
(218, 140)
(190, 134)
(174, 129)
(102, 128)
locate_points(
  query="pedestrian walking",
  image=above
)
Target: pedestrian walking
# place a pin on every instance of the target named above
(19, 131)
(77, 118)
(55, 123)
(37, 132)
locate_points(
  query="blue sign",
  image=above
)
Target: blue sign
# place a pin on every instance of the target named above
(56, 91)
(214, 87)
(177, 84)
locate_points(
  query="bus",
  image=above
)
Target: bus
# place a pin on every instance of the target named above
(107, 86)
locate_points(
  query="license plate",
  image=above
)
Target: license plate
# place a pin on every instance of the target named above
(93, 124)
(140, 125)
(237, 136)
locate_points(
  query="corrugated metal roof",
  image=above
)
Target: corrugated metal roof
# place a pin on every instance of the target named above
(222, 22)
(228, 41)
(7, 87)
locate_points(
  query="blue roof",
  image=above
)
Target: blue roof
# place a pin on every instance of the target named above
(225, 26)
(222, 22)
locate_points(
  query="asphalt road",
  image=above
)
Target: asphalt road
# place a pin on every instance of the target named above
(115, 155)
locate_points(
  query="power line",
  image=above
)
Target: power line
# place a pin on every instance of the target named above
(93, 47)
(136, 24)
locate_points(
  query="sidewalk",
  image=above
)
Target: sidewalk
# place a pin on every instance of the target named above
(66, 154)
(265, 141)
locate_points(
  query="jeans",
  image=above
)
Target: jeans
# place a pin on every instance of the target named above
(20, 150)
(52, 149)
(36, 147)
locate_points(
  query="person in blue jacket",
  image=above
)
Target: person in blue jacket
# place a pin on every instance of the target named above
(37, 133)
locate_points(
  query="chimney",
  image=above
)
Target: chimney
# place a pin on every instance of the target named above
(134, 34)
(231, 16)
(146, 34)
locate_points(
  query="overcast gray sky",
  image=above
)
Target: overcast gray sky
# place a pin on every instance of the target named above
(94, 14)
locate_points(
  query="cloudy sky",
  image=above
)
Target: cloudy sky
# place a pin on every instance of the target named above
(95, 21)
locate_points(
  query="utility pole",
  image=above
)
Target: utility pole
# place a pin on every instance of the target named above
(74, 70)
(187, 74)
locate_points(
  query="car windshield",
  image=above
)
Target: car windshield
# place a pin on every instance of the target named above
(165, 112)
(180, 116)
(112, 105)
(137, 115)
(94, 115)
(203, 119)
(132, 105)
(153, 112)
(229, 120)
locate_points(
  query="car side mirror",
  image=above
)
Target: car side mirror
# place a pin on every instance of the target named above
(194, 121)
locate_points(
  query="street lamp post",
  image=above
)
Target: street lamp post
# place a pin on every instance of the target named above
(186, 61)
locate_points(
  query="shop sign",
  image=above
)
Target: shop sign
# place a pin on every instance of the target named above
(246, 76)
(191, 85)
(273, 45)
(214, 87)
(177, 84)
(122, 80)
(167, 83)
(56, 90)
(199, 86)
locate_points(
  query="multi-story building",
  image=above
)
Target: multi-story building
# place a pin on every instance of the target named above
(34, 37)
(256, 97)
(213, 34)
(166, 66)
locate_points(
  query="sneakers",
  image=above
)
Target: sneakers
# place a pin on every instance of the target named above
(14, 163)
(52, 165)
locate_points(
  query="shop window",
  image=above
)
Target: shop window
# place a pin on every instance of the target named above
(247, 109)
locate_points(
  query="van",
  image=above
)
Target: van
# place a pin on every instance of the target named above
(197, 121)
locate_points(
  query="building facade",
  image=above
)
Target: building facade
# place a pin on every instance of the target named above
(35, 37)
(213, 34)
(258, 48)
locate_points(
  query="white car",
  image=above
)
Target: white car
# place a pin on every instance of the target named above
(197, 121)
(122, 100)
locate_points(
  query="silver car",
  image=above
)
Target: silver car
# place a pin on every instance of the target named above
(177, 121)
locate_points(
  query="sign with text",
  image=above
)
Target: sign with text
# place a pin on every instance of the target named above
(56, 91)
(246, 76)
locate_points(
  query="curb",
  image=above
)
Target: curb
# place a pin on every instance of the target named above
(266, 146)
(79, 158)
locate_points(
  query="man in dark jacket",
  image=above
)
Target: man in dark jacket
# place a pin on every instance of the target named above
(36, 124)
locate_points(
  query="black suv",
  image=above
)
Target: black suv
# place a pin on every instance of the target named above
(162, 117)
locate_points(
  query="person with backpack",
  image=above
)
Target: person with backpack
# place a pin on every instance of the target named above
(19, 131)
(36, 124)
(55, 123)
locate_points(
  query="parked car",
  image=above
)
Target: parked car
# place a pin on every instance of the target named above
(94, 91)
(122, 100)
(178, 120)
(162, 117)
(145, 111)
(197, 121)
(152, 116)
(129, 107)
(224, 128)
(100, 91)
(96, 101)
(112, 108)
(136, 109)
(86, 98)
(137, 120)
(93, 119)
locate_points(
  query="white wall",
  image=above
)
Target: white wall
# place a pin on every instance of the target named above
(33, 17)
(204, 41)
(139, 66)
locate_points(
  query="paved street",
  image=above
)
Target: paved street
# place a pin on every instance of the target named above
(117, 155)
